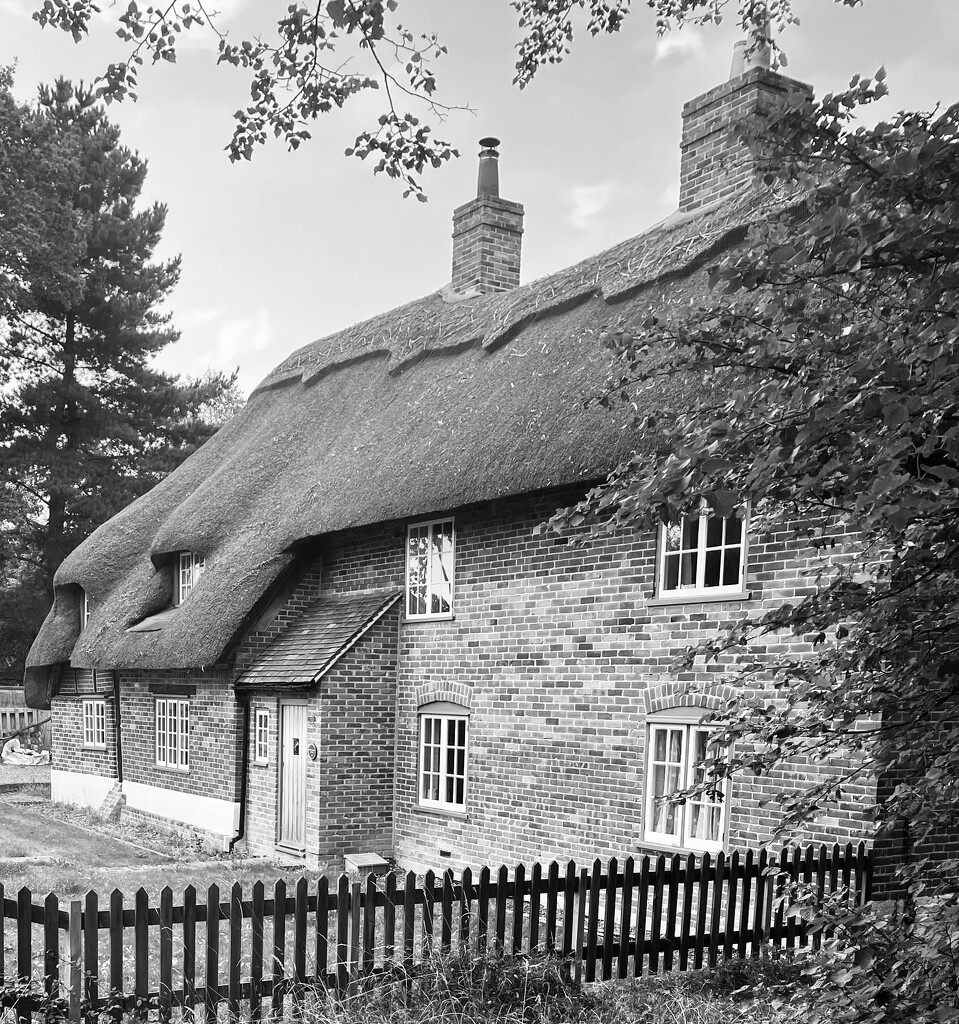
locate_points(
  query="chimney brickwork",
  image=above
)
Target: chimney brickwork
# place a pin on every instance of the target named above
(715, 163)
(487, 233)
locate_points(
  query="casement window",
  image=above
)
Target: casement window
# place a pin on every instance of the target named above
(190, 567)
(84, 608)
(261, 737)
(173, 733)
(676, 745)
(702, 555)
(429, 572)
(443, 749)
(94, 724)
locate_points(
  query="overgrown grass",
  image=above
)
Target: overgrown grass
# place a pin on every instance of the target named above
(536, 990)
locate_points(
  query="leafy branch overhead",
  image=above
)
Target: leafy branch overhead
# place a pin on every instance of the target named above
(823, 377)
(314, 59)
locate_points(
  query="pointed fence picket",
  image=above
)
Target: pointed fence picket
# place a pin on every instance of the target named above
(605, 921)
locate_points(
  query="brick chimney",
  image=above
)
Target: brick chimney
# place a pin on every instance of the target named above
(715, 163)
(487, 233)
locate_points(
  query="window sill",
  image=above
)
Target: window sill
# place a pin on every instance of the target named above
(440, 812)
(173, 771)
(698, 597)
(261, 764)
(95, 747)
(683, 851)
(450, 617)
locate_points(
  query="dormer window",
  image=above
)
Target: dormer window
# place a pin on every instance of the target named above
(84, 608)
(190, 567)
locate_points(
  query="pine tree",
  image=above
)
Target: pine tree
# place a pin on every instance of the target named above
(86, 422)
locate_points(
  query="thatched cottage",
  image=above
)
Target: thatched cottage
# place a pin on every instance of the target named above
(333, 630)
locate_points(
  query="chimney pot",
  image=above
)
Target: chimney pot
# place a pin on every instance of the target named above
(487, 180)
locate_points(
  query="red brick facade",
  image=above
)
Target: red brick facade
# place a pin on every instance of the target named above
(558, 652)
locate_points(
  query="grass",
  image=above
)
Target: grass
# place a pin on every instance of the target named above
(82, 852)
(534, 990)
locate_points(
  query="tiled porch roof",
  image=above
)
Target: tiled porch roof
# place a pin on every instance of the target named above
(315, 641)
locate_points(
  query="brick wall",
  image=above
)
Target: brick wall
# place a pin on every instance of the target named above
(487, 241)
(67, 750)
(559, 653)
(262, 784)
(303, 594)
(715, 164)
(351, 718)
(215, 730)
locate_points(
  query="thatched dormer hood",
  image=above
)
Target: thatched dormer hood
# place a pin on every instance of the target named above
(424, 409)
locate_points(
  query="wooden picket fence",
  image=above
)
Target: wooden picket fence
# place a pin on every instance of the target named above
(614, 921)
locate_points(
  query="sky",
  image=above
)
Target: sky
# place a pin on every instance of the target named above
(291, 247)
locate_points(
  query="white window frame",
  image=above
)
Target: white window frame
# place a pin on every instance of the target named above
(261, 736)
(94, 724)
(699, 588)
(189, 568)
(433, 761)
(172, 733)
(431, 568)
(688, 721)
(84, 608)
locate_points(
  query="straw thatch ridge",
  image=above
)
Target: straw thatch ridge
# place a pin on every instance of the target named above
(440, 403)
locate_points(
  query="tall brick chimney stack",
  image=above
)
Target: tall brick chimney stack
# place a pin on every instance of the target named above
(715, 164)
(487, 233)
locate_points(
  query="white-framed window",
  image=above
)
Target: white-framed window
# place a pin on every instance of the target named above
(429, 569)
(95, 724)
(702, 554)
(676, 746)
(173, 733)
(261, 737)
(190, 567)
(443, 750)
(84, 608)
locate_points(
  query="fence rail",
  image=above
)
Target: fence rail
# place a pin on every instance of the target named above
(613, 921)
(15, 719)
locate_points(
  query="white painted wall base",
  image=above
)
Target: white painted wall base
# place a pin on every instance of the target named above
(79, 788)
(221, 817)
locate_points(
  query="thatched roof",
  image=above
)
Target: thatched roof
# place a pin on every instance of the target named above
(437, 404)
(312, 645)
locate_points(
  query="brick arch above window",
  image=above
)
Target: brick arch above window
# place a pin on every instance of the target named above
(448, 693)
(678, 695)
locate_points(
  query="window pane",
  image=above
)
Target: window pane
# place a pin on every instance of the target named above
(734, 530)
(441, 568)
(689, 564)
(417, 561)
(704, 822)
(712, 568)
(714, 531)
(690, 532)
(675, 746)
(673, 536)
(672, 572)
(659, 746)
(731, 574)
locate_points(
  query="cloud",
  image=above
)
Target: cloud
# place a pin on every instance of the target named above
(208, 342)
(678, 45)
(587, 202)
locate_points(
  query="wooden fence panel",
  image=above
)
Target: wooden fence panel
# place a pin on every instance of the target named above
(659, 914)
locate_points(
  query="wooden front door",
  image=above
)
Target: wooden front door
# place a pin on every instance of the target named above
(291, 830)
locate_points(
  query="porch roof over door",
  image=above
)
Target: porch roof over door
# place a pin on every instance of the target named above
(299, 657)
